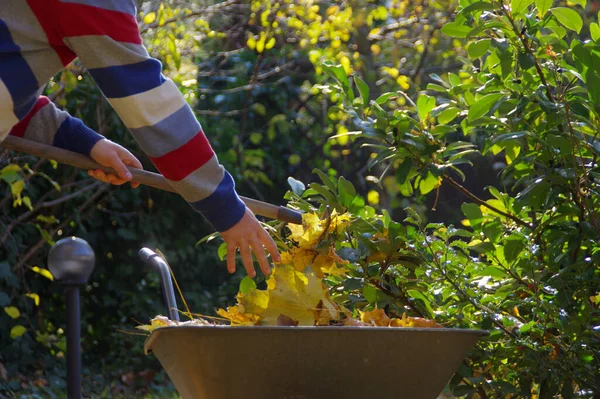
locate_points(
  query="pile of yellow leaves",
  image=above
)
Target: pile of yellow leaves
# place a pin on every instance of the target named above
(377, 317)
(307, 236)
(296, 294)
(291, 298)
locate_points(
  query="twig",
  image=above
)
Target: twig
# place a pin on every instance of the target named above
(32, 251)
(479, 201)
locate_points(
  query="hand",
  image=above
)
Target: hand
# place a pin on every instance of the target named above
(110, 154)
(248, 234)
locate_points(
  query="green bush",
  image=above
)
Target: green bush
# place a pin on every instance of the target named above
(527, 267)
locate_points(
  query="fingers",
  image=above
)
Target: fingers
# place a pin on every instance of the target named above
(132, 161)
(231, 250)
(119, 167)
(247, 259)
(106, 177)
(270, 245)
(129, 159)
(257, 248)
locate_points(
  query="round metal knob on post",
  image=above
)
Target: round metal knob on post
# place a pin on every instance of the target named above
(71, 261)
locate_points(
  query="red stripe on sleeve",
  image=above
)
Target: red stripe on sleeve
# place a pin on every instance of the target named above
(179, 163)
(84, 20)
(45, 12)
(19, 129)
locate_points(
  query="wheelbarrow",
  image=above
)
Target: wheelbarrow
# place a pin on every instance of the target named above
(260, 362)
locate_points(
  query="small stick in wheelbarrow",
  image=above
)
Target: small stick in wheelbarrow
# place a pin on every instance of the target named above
(139, 175)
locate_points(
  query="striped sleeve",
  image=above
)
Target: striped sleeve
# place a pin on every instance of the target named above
(106, 38)
(47, 124)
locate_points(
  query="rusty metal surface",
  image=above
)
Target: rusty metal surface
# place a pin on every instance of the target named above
(222, 362)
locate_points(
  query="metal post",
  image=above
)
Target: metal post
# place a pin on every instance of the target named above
(73, 342)
(71, 261)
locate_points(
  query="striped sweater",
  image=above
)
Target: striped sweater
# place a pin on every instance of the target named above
(39, 37)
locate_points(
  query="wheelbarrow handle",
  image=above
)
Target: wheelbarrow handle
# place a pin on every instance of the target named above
(139, 175)
(163, 270)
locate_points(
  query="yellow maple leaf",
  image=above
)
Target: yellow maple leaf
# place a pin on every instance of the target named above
(419, 322)
(254, 301)
(158, 321)
(307, 234)
(297, 295)
(338, 223)
(329, 264)
(376, 317)
(235, 314)
(300, 258)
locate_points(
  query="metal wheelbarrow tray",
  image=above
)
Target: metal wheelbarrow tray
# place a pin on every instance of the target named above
(223, 362)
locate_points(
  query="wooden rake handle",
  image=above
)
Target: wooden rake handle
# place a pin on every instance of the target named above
(141, 176)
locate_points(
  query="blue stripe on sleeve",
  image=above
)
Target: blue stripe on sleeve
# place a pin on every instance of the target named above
(16, 74)
(126, 80)
(73, 135)
(223, 208)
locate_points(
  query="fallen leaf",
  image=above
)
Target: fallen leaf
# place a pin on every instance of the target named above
(284, 320)
(376, 317)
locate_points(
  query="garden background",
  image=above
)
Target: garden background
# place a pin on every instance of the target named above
(473, 124)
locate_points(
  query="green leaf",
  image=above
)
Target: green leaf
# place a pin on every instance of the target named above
(518, 6)
(403, 171)
(568, 17)
(478, 6)
(363, 89)
(17, 331)
(483, 105)
(325, 179)
(428, 183)
(595, 31)
(492, 230)
(543, 6)
(527, 326)
(297, 186)
(247, 285)
(493, 271)
(384, 97)
(346, 191)
(419, 295)
(463, 390)
(455, 29)
(370, 293)
(447, 115)
(508, 137)
(12, 312)
(222, 251)
(473, 213)
(512, 249)
(425, 104)
(479, 48)
(339, 73)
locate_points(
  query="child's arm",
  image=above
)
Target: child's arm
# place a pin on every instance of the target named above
(47, 124)
(109, 45)
(106, 38)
